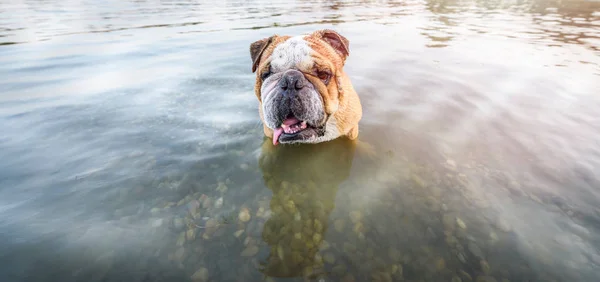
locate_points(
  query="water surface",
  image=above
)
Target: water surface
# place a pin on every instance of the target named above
(131, 148)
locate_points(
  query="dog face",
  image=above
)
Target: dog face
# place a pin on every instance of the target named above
(304, 94)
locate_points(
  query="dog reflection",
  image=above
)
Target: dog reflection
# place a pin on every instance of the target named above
(304, 180)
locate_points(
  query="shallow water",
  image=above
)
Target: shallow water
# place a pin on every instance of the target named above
(131, 148)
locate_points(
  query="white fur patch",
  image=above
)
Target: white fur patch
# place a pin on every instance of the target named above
(294, 53)
(331, 131)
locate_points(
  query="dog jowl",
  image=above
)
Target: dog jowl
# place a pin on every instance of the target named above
(303, 92)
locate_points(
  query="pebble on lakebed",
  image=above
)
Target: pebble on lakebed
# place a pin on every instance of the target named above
(201, 275)
(244, 215)
(461, 223)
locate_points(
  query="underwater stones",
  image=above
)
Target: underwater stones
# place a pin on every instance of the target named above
(417, 180)
(210, 227)
(307, 271)
(349, 248)
(485, 267)
(206, 202)
(448, 221)
(219, 203)
(179, 254)
(348, 278)
(178, 224)
(190, 235)
(318, 259)
(397, 271)
(329, 258)
(339, 270)
(318, 226)
(221, 187)
(317, 238)
(180, 240)
(193, 206)
(465, 276)
(356, 216)
(260, 213)
(493, 237)
(440, 264)
(461, 258)
(503, 225)
(238, 233)
(460, 223)
(359, 228)
(394, 254)
(486, 279)
(475, 250)
(250, 251)
(211, 224)
(290, 207)
(157, 223)
(325, 245)
(381, 277)
(244, 215)
(201, 275)
(339, 225)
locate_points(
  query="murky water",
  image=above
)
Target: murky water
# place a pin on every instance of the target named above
(131, 148)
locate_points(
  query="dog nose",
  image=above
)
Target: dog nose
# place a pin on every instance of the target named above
(292, 80)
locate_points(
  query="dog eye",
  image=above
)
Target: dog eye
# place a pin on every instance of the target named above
(324, 76)
(266, 74)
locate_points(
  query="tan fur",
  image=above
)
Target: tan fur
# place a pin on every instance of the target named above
(330, 50)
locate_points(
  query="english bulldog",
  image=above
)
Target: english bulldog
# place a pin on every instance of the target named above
(303, 92)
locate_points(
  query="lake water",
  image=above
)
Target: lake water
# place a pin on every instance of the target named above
(131, 147)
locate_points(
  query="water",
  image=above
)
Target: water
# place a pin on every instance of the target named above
(132, 150)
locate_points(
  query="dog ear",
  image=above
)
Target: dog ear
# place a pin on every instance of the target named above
(257, 48)
(337, 41)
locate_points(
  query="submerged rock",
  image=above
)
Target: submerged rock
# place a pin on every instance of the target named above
(348, 278)
(475, 250)
(339, 225)
(244, 215)
(190, 235)
(238, 233)
(485, 267)
(329, 258)
(339, 270)
(440, 264)
(178, 224)
(201, 275)
(250, 251)
(157, 223)
(180, 240)
(465, 276)
(356, 216)
(486, 279)
(460, 223)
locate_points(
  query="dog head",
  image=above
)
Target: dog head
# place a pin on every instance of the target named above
(303, 92)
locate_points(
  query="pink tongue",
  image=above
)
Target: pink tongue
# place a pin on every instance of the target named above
(279, 130)
(276, 135)
(291, 121)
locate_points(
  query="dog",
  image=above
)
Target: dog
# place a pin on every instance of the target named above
(303, 92)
